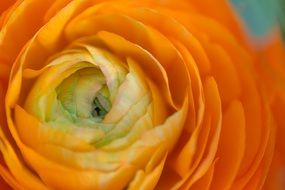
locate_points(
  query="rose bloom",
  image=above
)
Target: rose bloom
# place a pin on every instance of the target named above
(138, 95)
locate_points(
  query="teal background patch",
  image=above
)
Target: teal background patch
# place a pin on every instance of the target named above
(261, 15)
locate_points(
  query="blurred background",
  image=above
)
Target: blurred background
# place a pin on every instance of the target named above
(261, 16)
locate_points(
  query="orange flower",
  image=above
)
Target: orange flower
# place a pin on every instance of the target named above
(137, 95)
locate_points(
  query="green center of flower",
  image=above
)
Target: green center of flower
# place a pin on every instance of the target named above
(84, 95)
(94, 96)
(101, 106)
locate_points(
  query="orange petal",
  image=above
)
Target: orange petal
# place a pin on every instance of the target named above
(142, 35)
(213, 112)
(4, 5)
(16, 30)
(206, 180)
(231, 146)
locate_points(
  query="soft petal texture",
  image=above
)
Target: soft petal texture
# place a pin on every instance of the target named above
(188, 102)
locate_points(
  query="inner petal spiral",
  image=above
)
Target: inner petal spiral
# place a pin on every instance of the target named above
(92, 95)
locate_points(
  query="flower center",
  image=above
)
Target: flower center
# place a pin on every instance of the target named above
(101, 105)
(83, 95)
(94, 96)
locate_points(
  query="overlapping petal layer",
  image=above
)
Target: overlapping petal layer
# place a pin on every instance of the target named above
(137, 95)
